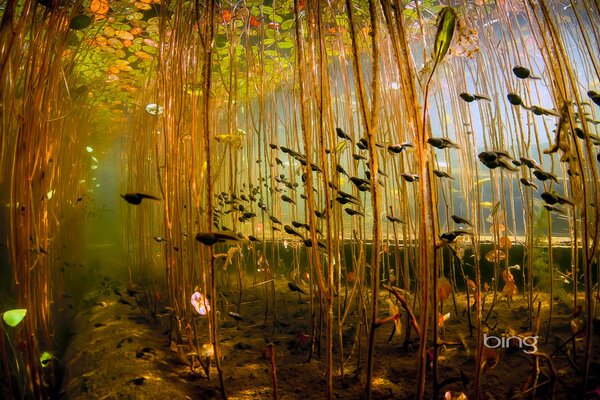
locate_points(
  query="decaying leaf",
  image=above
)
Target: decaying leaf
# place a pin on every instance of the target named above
(444, 289)
(510, 290)
(495, 255)
(504, 243)
(489, 358)
(394, 311)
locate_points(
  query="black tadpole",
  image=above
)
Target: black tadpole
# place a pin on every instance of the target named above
(136, 198)
(294, 288)
(210, 238)
(450, 237)
(460, 220)
(342, 135)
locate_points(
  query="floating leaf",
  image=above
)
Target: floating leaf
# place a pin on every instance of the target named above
(125, 35)
(288, 44)
(143, 6)
(136, 16)
(116, 43)
(99, 7)
(80, 22)
(45, 359)
(14, 317)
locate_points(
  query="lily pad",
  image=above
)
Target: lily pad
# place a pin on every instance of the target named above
(80, 22)
(14, 317)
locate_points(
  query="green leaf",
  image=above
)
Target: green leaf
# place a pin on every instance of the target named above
(45, 359)
(288, 44)
(14, 317)
(80, 22)
(287, 24)
(445, 32)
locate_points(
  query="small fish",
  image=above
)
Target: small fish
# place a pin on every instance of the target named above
(358, 157)
(352, 212)
(252, 238)
(210, 238)
(294, 288)
(410, 177)
(342, 135)
(442, 143)
(514, 99)
(160, 239)
(273, 146)
(287, 199)
(441, 174)
(527, 183)
(460, 220)
(136, 198)
(594, 96)
(248, 215)
(450, 237)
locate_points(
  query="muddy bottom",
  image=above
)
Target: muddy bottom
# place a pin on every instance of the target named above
(121, 351)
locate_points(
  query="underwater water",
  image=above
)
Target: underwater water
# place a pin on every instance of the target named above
(299, 199)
